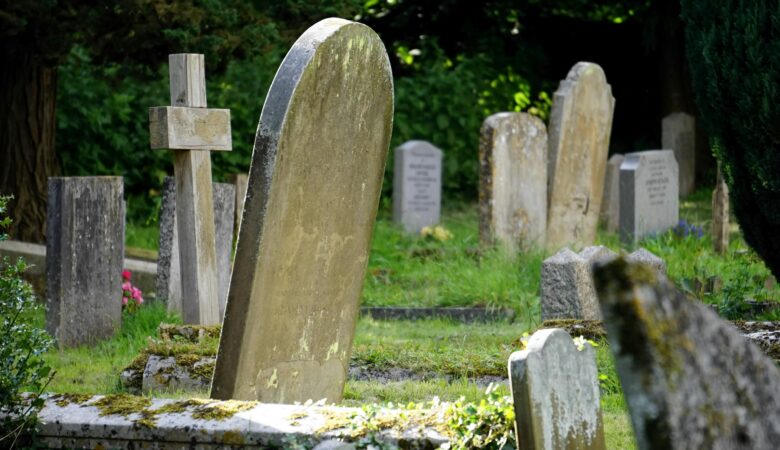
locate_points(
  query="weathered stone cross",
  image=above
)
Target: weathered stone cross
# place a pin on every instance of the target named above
(191, 130)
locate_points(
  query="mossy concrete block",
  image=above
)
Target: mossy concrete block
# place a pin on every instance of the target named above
(555, 387)
(172, 373)
(690, 379)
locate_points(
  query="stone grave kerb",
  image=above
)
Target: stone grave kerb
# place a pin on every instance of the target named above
(191, 130)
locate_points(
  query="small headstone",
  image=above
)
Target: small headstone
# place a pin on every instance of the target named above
(649, 202)
(311, 203)
(720, 216)
(417, 185)
(85, 249)
(580, 126)
(690, 380)
(567, 286)
(513, 181)
(644, 256)
(678, 133)
(169, 282)
(240, 181)
(555, 387)
(610, 206)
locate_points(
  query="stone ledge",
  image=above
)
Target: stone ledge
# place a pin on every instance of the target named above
(67, 422)
(464, 314)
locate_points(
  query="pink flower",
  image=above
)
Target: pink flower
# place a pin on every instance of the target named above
(126, 286)
(126, 275)
(124, 301)
(136, 293)
(139, 301)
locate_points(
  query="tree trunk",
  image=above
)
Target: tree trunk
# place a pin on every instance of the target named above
(27, 155)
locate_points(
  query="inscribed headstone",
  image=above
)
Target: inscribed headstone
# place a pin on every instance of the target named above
(169, 283)
(610, 205)
(580, 126)
(85, 238)
(649, 201)
(555, 387)
(311, 203)
(678, 133)
(417, 185)
(691, 381)
(720, 215)
(513, 181)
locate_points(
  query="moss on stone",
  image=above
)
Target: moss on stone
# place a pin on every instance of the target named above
(221, 410)
(63, 400)
(589, 329)
(190, 333)
(121, 404)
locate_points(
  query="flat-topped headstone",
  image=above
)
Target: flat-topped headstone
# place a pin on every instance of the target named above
(649, 202)
(192, 130)
(169, 283)
(85, 237)
(513, 181)
(555, 387)
(567, 285)
(580, 126)
(720, 215)
(417, 185)
(610, 205)
(678, 133)
(644, 256)
(691, 381)
(311, 204)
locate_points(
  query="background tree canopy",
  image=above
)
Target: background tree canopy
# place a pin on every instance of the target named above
(455, 62)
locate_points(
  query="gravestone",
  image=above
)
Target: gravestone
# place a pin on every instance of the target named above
(644, 256)
(240, 180)
(691, 381)
(580, 125)
(311, 204)
(649, 202)
(610, 205)
(720, 215)
(417, 185)
(513, 181)
(85, 237)
(678, 133)
(555, 388)
(191, 130)
(169, 282)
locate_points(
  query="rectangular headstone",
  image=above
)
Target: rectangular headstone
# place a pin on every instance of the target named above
(649, 202)
(555, 388)
(417, 185)
(580, 126)
(678, 133)
(513, 181)
(169, 283)
(311, 204)
(85, 248)
(610, 205)
(690, 380)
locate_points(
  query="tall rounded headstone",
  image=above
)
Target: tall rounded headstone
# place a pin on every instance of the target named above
(513, 181)
(580, 126)
(311, 204)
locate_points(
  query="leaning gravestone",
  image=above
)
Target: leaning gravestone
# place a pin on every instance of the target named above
(649, 201)
(690, 379)
(555, 388)
(610, 205)
(84, 254)
(169, 283)
(513, 181)
(311, 203)
(580, 125)
(678, 133)
(417, 185)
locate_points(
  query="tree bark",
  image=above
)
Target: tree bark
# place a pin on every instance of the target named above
(27, 154)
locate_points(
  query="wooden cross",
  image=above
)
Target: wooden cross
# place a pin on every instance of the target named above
(192, 130)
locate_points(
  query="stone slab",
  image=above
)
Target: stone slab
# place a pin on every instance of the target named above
(168, 374)
(85, 237)
(555, 387)
(690, 379)
(610, 205)
(579, 131)
(417, 185)
(678, 133)
(513, 182)
(649, 201)
(464, 315)
(184, 128)
(311, 204)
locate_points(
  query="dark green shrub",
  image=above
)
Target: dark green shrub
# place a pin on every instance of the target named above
(22, 368)
(734, 54)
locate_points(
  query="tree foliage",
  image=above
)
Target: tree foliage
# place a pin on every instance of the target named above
(734, 55)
